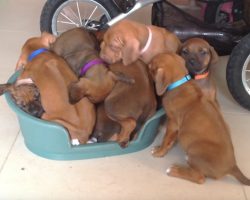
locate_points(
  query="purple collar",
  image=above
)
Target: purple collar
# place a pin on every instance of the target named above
(90, 64)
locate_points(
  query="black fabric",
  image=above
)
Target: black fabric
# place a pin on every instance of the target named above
(124, 5)
(184, 25)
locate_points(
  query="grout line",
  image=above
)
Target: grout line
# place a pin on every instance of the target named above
(6, 158)
(244, 191)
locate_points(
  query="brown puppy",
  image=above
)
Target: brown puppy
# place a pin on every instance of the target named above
(52, 75)
(195, 122)
(26, 96)
(72, 44)
(105, 128)
(122, 105)
(199, 56)
(129, 40)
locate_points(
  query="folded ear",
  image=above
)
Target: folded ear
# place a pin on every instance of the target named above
(48, 39)
(130, 51)
(214, 55)
(161, 82)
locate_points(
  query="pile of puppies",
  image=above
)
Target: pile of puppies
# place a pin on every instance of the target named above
(112, 101)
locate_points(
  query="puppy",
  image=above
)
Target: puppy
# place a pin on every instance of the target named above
(25, 95)
(199, 56)
(129, 41)
(52, 75)
(120, 94)
(195, 122)
(105, 129)
(74, 45)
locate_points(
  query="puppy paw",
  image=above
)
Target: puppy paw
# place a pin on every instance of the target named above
(75, 142)
(123, 144)
(158, 152)
(172, 171)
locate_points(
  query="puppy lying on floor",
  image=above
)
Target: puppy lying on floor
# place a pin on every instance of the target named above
(199, 56)
(195, 122)
(52, 75)
(128, 41)
(118, 86)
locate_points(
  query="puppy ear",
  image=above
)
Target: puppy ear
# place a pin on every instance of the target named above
(160, 82)
(214, 55)
(130, 51)
(47, 39)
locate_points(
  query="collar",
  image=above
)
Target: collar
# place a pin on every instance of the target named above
(90, 64)
(36, 53)
(179, 82)
(145, 48)
(201, 76)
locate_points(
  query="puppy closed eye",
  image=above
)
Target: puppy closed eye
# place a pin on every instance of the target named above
(114, 48)
(204, 52)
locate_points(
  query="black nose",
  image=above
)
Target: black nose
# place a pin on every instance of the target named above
(192, 61)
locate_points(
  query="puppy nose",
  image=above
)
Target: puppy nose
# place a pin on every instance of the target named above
(192, 61)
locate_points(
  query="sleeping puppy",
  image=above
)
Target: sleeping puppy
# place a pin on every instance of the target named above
(52, 76)
(195, 122)
(26, 96)
(199, 56)
(128, 41)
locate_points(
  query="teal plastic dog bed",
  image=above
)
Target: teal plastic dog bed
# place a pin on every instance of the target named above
(51, 140)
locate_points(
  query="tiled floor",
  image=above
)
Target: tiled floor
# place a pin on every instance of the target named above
(24, 175)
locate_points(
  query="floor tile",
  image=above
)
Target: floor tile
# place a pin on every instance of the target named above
(21, 15)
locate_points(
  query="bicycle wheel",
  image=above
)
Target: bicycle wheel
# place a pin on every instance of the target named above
(238, 72)
(60, 15)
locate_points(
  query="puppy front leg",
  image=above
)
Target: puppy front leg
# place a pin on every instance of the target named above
(168, 140)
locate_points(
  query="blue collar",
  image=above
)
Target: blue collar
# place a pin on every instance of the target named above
(36, 53)
(179, 82)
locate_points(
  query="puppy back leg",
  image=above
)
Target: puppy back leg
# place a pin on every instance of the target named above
(127, 126)
(187, 173)
(168, 141)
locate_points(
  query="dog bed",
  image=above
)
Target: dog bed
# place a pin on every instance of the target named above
(51, 140)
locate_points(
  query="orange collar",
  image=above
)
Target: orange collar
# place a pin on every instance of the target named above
(201, 76)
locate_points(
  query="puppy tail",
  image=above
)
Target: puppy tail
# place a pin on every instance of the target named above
(4, 88)
(239, 175)
(119, 76)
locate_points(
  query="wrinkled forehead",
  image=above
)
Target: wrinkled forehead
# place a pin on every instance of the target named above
(197, 44)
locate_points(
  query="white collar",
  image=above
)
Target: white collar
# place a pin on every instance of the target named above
(148, 41)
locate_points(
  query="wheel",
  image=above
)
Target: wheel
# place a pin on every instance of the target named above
(60, 15)
(238, 72)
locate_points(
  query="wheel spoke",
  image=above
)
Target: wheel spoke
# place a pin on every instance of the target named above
(90, 16)
(64, 22)
(79, 13)
(69, 19)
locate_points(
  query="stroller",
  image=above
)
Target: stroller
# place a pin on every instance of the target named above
(225, 26)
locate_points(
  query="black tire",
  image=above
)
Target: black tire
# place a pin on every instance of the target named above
(51, 6)
(234, 71)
